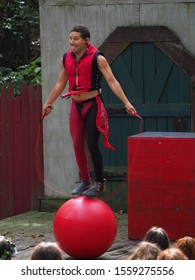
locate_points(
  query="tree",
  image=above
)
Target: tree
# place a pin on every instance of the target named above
(19, 28)
(19, 42)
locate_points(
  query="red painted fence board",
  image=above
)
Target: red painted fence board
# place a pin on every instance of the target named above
(32, 142)
(3, 146)
(25, 148)
(161, 183)
(39, 154)
(20, 185)
(10, 149)
(17, 155)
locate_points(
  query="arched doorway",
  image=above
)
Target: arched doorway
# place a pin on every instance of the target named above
(157, 75)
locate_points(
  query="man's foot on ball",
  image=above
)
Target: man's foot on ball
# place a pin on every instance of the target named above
(83, 186)
(95, 190)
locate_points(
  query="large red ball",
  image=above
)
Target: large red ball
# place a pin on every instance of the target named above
(85, 227)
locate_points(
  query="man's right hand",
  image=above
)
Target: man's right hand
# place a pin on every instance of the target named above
(47, 108)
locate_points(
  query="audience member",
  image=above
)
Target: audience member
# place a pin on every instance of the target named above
(157, 235)
(7, 248)
(145, 251)
(46, 251)
(187, 246)
(172, 254)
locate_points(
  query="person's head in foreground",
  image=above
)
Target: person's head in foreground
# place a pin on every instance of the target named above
(158, 236)
(7, 248)
(187, 246)
(46, 251)
(145, 251)
(172, 254)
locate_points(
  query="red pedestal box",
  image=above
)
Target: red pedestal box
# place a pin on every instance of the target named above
(161, 183)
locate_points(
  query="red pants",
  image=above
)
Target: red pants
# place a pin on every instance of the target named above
(84, 131)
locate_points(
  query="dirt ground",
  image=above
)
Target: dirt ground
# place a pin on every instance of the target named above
(29, 229)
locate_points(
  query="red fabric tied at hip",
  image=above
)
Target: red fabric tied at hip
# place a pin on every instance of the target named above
(102, 123)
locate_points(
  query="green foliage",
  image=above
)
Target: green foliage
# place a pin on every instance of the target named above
(30, 74)
(17, 14)
(19, 27)
(19, 43)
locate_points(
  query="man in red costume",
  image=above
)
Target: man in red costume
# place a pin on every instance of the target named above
(82, 67)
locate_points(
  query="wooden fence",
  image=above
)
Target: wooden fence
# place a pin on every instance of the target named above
(20, 182)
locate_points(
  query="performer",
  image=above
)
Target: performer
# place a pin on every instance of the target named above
(82, 67)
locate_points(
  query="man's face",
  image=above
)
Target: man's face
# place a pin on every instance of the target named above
(77, 43)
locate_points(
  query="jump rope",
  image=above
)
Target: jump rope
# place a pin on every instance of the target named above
(39, 165)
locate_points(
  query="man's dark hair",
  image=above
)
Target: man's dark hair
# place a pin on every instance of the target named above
(82, 29)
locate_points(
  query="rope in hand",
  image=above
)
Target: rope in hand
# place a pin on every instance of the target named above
(38, 163)
(132, 161)
(121, 185)
(141, 121)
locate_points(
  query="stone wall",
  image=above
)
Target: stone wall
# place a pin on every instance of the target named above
(56, 19)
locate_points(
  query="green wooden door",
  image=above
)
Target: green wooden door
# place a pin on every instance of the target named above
(160, 91)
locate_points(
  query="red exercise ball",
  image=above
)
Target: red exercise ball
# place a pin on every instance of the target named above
(85, 227)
